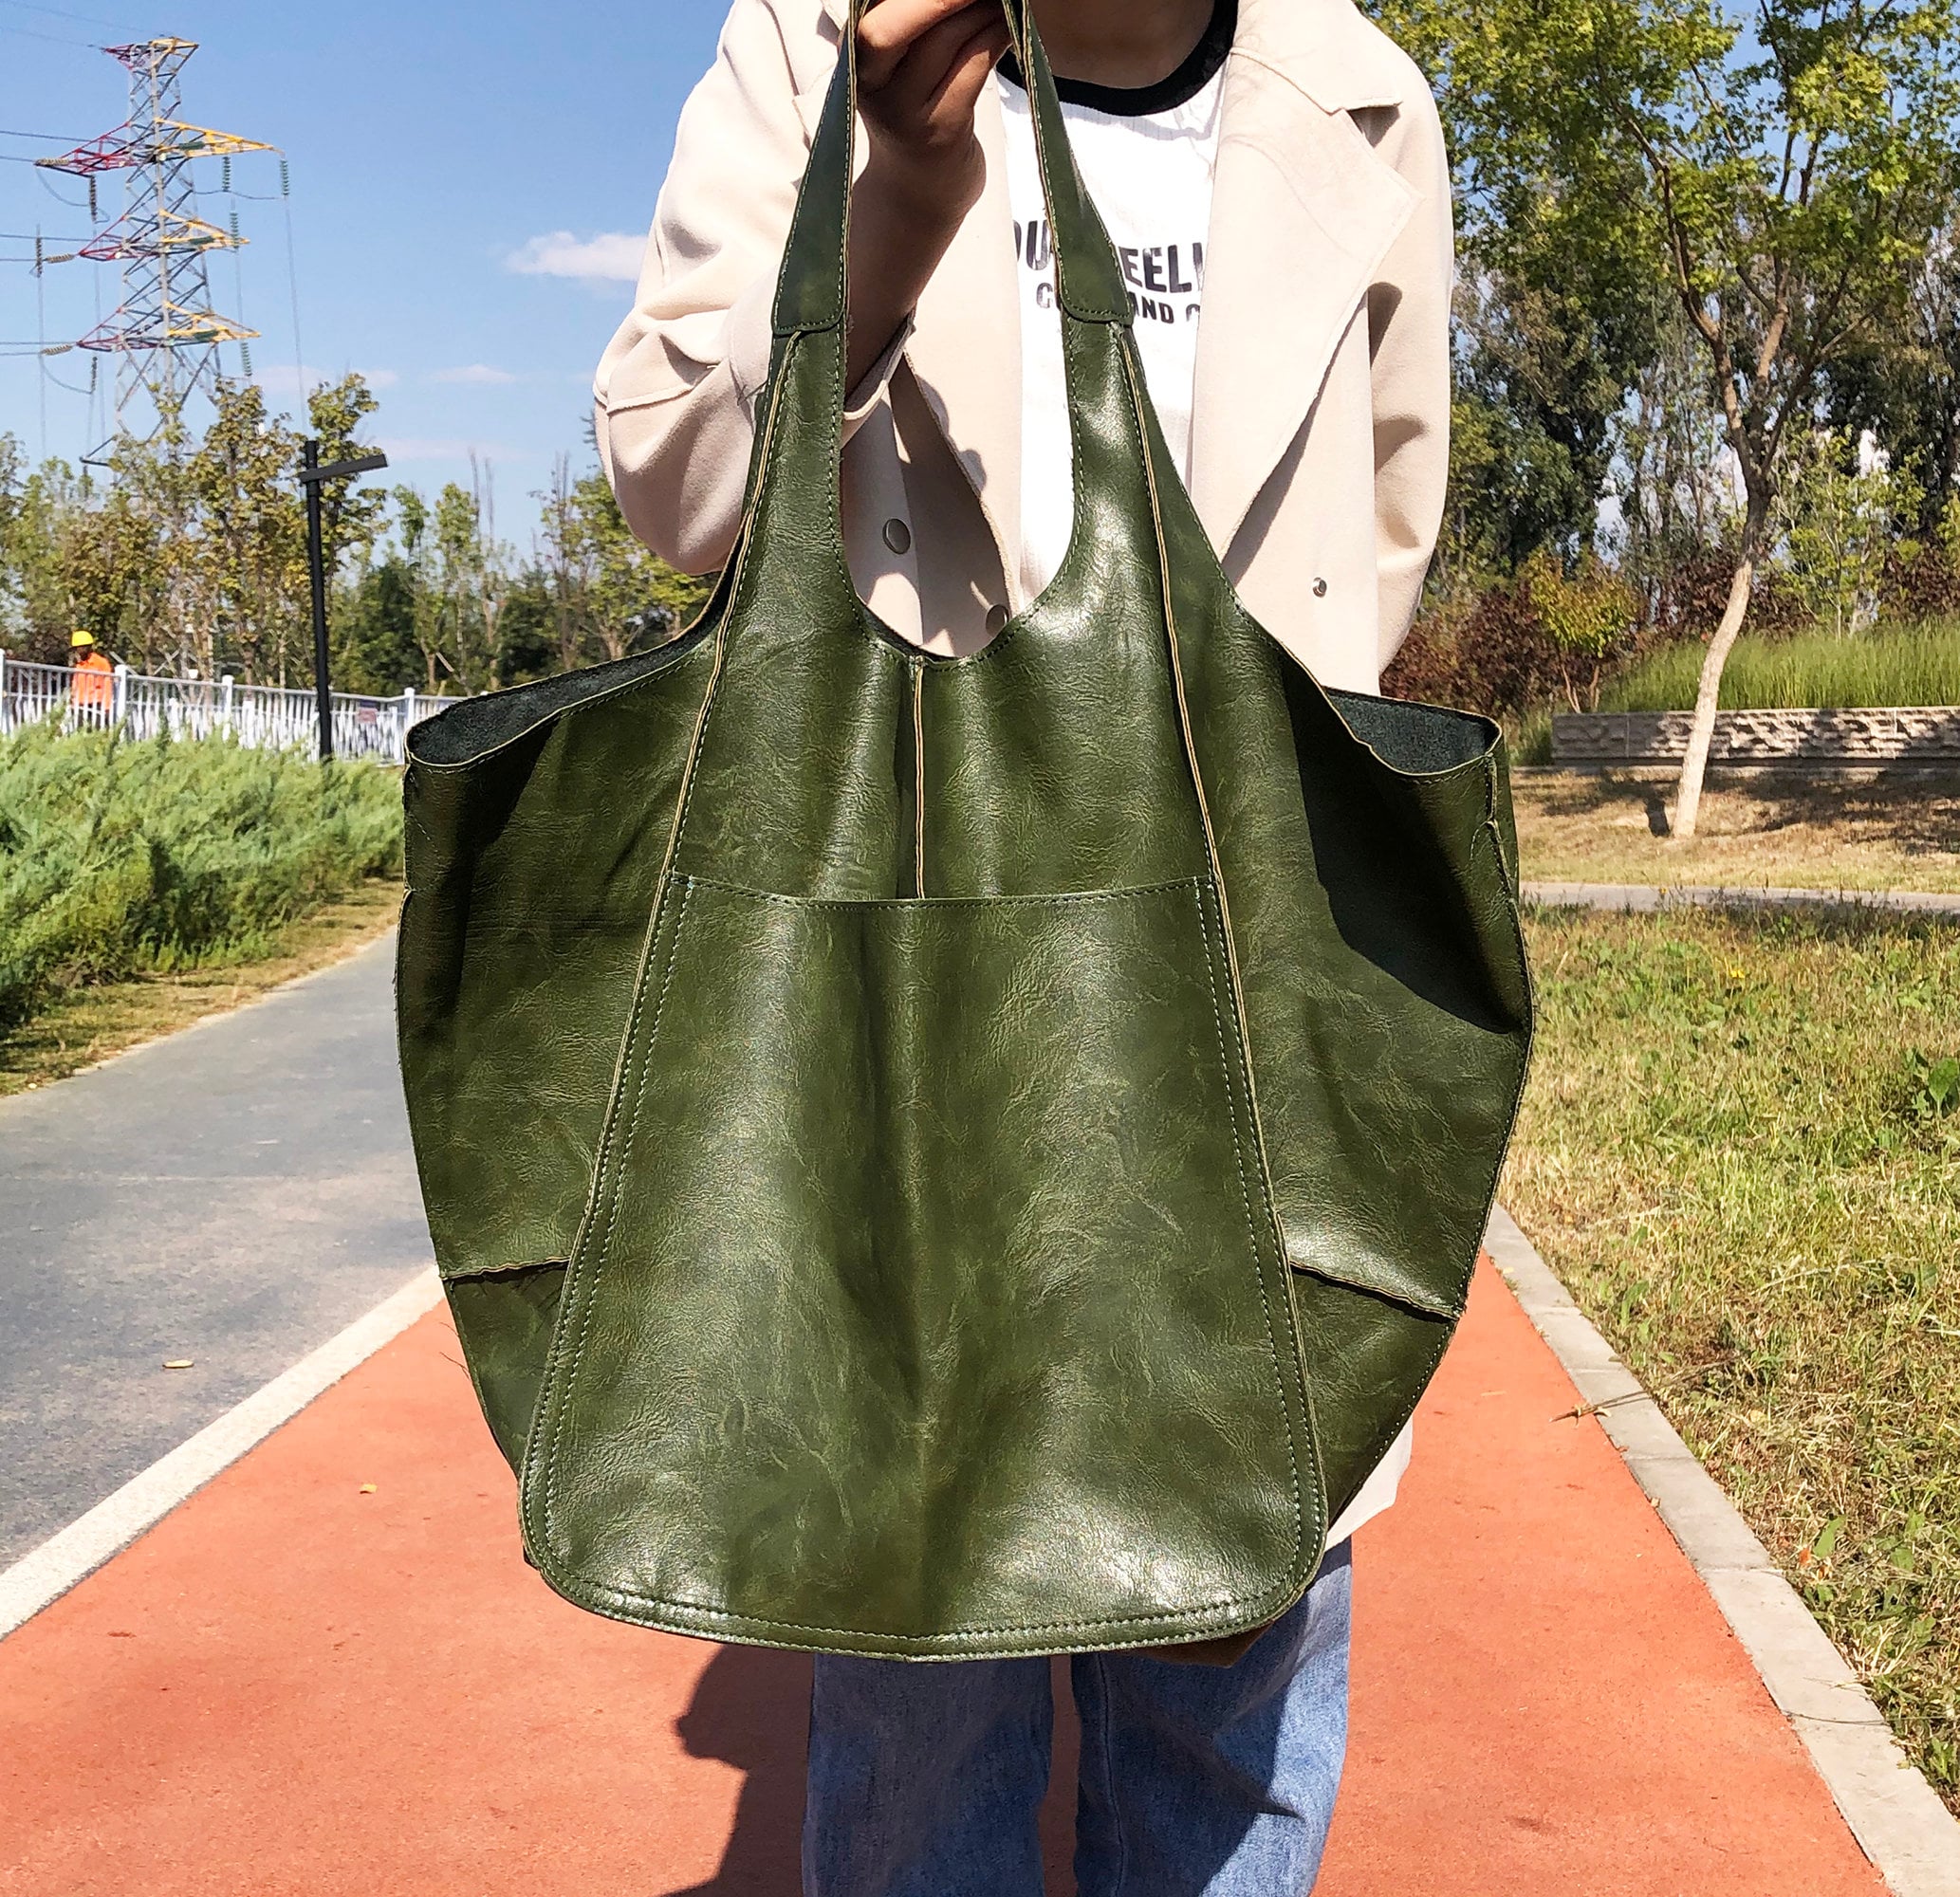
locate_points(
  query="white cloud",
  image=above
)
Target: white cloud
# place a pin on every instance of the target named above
(612, 257)
(480, 372)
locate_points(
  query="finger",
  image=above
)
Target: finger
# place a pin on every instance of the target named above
(959, 92)
(917, 79)
(893, 28)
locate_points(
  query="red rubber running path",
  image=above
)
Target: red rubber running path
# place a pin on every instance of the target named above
(294, 1686)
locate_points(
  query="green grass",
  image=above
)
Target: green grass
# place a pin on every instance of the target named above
(119, 859)
(1741, 1151)
(1904, 665)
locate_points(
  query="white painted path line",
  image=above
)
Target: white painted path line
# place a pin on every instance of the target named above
(1895, 1815)
(49, 1571)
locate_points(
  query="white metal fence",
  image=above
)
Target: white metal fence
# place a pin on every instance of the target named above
(262, 716)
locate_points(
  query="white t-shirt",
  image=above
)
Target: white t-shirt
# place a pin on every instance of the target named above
(1150, 175)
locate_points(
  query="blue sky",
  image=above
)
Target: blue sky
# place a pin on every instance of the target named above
(469, 185)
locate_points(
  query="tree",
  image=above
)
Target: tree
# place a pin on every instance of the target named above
(1587, 614)
(36, 610)
(1784, 175)
(247, 552)
(1541, 373)
(610, 595)
(374, 623)
(351, 517)
(112, 578)
(1904, 386)
(460, 575)
(1836, 506)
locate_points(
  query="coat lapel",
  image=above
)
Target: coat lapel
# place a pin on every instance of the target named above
(1302, 213)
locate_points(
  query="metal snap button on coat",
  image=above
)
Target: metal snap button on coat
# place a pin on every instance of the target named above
(996, 617)
(1320, 589)
(897, 536)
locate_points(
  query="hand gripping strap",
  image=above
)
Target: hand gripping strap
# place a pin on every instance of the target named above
(812, 293)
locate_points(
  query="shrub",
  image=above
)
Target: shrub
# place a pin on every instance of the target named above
(1545, 637)
(1691, 601)
(117, 858)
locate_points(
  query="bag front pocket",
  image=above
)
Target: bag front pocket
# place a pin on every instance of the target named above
(930, 1300)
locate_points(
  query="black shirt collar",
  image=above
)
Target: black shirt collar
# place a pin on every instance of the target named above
(1199, 66)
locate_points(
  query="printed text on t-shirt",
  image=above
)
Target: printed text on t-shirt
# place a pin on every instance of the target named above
(1166, 281)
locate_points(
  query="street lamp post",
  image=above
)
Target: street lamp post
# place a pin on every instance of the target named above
(311, 476)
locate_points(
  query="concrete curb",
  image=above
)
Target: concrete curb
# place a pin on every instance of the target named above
(1649, 899)
(49, 1571)
(1895, 1815)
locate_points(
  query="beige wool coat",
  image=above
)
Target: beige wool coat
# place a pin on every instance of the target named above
(1322, 403)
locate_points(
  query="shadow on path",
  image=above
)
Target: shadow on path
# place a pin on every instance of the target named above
(751, 1709)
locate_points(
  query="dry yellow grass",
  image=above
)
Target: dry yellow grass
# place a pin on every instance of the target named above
(1877, 831)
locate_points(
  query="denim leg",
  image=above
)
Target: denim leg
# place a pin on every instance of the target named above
(926, 1778)
(1216, 1781)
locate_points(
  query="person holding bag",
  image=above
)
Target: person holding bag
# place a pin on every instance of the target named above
(1273, 176)
(1048, 1033)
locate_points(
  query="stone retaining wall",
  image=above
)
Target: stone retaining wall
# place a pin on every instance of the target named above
(1897, 734)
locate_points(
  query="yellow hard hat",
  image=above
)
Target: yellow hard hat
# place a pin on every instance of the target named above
(82, 638)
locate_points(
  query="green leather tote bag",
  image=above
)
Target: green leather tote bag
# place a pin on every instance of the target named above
(954, 1156)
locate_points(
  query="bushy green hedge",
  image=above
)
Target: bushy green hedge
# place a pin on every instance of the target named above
(117, 858)
(1896, 665)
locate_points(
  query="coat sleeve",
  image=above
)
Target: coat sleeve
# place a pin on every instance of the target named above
(676, 389)
(1409, 343)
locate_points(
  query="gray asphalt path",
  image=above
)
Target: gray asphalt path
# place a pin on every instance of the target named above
(1647, 898)
(234, 1194)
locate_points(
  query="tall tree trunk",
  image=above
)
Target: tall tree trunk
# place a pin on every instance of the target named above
(1701, 734)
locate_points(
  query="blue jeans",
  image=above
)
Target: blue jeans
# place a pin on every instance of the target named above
(1196, 1781)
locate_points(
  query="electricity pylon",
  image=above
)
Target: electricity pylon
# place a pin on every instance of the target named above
(164, 330)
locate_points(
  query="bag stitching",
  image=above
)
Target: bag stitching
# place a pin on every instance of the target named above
(465, 1274)
(540, 1437)
(1246, 1200)
(599, 1591)
(602, 1257)
(1316, 1511)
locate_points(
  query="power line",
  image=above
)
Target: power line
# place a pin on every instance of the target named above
(58, 12)
(51, 39)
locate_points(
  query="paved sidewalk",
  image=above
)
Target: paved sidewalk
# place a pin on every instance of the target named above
(294, 1686)
(231, 1194)
(1649, 899)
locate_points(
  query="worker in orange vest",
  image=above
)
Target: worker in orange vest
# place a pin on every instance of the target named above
(91, 679)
